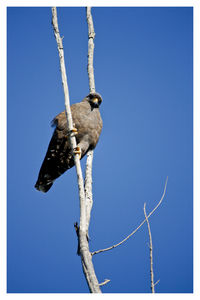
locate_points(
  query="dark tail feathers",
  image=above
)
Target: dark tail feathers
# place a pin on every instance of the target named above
(43, 187)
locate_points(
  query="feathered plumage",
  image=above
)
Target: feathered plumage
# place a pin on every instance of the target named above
(87, 120)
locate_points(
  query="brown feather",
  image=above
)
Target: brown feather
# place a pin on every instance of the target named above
(87, 120)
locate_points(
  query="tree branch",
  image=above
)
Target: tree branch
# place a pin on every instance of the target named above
(134, 231)
(91, 36)
(88, 188)
(69, 119)
(151, 251)
(85, 254)
(90, 154)
(105, 282)
(156, 282)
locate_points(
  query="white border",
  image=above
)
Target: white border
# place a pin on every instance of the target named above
(104, 3)
(3, 121)
(3, 150)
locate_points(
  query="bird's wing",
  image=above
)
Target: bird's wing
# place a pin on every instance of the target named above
(58, 157)
(60, 121)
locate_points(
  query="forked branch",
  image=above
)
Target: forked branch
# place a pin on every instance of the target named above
(134, 231)
(84, 252)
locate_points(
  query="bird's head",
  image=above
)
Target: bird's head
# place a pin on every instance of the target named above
(94, 99)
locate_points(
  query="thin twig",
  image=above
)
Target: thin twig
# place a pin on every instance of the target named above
(151, 250)
(105, 282)
(134, 231)
(156, 282)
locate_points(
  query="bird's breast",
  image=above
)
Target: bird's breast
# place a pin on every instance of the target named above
(89, 127)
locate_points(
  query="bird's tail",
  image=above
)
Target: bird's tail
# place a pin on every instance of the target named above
(43, 187)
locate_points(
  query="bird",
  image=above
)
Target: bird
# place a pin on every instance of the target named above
(87, 124)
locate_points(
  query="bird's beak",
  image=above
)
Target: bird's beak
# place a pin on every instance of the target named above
(95, 101)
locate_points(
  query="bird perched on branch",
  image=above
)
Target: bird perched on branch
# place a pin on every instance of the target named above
(87, 128)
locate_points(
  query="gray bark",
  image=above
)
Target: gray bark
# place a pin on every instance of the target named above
(86, 257)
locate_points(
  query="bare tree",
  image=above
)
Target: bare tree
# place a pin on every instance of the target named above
(85, 187)
(86, 257)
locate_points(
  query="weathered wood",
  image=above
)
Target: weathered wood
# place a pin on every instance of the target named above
(86, 257)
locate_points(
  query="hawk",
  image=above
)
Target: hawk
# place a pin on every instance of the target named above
(87, 128)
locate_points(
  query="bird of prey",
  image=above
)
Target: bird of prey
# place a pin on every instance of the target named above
(87, 127)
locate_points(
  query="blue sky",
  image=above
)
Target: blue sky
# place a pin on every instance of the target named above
(143, 70)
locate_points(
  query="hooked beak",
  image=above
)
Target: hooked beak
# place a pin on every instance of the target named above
(95, 101)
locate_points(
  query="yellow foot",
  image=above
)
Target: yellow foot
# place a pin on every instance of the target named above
(77, 150)
(74, 131)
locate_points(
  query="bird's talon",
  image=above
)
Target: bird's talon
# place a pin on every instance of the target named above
(77, 150)
(74, 131)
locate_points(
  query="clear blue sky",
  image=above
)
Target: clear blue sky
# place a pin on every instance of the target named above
(144, 72)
